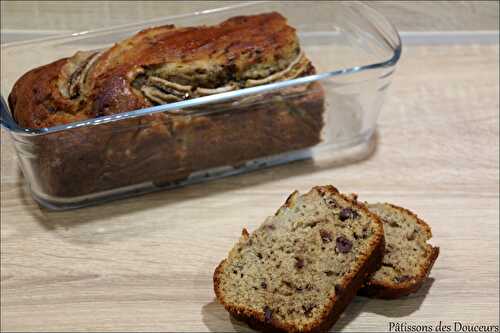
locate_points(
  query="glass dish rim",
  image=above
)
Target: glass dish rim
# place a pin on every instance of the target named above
(7, 121)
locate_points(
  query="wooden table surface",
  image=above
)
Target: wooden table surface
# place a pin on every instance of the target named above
(146, 263)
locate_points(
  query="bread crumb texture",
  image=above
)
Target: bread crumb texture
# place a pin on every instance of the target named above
(408, 257)
(290, 271)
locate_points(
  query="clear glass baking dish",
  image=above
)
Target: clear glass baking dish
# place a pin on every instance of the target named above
(354, 49)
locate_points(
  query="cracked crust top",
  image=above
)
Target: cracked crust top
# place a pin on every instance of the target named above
(160, 65)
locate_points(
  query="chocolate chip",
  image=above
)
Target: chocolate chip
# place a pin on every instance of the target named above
(338, 289)
(391, 223)
(348, 213)
(402, 278)
(308, 309)
(326, 236)
(299, 262)
(268, 314)
(259, 255)
(51, 109)
(263, 285)
(343, 244)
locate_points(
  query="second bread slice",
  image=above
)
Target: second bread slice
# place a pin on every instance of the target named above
(301, 268)
(408, 257)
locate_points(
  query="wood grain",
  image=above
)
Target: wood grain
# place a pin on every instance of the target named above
(145, 264)
(80, 16)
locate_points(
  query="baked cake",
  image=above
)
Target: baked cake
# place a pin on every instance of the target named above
(164, 65)
(299, 270)
(408, 258)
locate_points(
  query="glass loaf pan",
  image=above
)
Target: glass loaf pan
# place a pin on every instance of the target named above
(353, 48)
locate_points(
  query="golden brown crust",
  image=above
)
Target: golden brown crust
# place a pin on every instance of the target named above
(267, 37)
(257, 320)
(36, 100)
(383, 290)
(288, 201)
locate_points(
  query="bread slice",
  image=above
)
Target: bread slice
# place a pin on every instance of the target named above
(408, 258)
(299, 270)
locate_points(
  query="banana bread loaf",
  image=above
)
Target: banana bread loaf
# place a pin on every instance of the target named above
(301, 268)
(163, 65)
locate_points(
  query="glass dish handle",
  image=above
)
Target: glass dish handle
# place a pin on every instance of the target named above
(6, 119)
